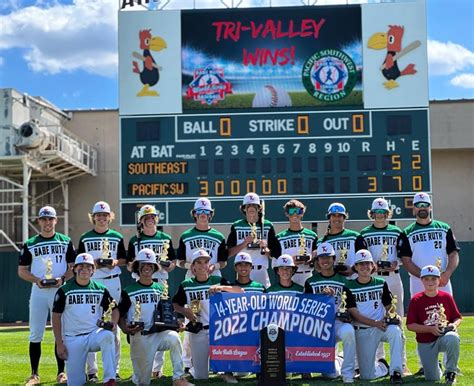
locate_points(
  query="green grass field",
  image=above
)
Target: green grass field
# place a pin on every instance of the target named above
(14, 361)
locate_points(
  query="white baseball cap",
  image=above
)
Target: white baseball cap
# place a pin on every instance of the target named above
(203, 203)
(336, 208)
(430, 270)
(421, 197)
(147, 209)
(380, 203)
(84, 258)
(145, 255)
(101, 207)
(363, 255)
(251, 199)
(242, 257)
(325, 249)
(47, 211)
(200, 253)
(284, 261)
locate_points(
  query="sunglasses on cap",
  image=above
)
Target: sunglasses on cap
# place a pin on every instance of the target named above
(203, 211)
(337, 209)
(422, 205)
(293, 211)
(379, 211)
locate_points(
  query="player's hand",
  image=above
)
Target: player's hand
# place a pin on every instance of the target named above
(247, 240)
(380, 324)
(263, 244)
(38, 282)
(61, 350)
(189, 314)
(212, 268)
(133, 330)
(59, 282)
(435, 330)
(329, 291)
(181, 326)
(215, 289)
(443, 280)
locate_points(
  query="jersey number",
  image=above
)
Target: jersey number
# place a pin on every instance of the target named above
(59, 259)
(93, 309)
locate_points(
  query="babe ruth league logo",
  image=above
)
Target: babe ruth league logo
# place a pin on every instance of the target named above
(208, 86)
(324, 248)
(329, 75)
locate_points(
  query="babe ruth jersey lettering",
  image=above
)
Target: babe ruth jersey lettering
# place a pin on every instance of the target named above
(92, 242)
(253, 286)
(348, 239)
(370, 298)
(192, 289)
(426, 243)
(38, 250)
(424, 310)
(317, 283)
(212, 241)
(81, 306)
(294, 288)
(147, 295)
(290, 244)
(376, 238)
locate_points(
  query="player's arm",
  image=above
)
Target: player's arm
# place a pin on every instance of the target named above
(181, 256)
(405, 253)
(25, 274)
(70, 257)
(179, 302)
(273, 244)
(452, 248)
(222, 256)
(232, 245)
(356, 315)
(121, 254)
(225, 286)
(58, 309)
(130, 255)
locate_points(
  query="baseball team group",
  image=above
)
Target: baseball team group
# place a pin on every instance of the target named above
(81, 289)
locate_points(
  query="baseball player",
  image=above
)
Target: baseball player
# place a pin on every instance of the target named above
(330, 283)
(428, 242)
(150, 237)
(49, 253)
(243, 267)
(381, 238)
(291, 240)
(340, 238)
(200, 287)
(285, 268)
(372, 296)
(428, 312)
(94, 242)
(77, 307)
(240, 237)
(146, 341)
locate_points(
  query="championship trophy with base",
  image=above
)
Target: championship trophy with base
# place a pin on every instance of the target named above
(165, 315)
(105, 260)
(443, 323)
(106, 321)
(302, 256)
(163, 261)
(195, 326)
(383, 262)
(342, 314)
(48, 280)
(255, 242)
(391, 316)
(137, 316)
(341, 265)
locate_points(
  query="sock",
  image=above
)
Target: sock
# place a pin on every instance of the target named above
(59, 361)
(35, 354)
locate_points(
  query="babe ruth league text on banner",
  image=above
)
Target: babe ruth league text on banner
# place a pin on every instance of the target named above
(308, 321)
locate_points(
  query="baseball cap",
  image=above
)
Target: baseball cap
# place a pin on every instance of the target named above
(101, 207)
(147, 209)
(336, 208)
(200, 253)
(430, 270)
(325, 249)
(84, 258)
(284, 261)
(203, 203)
(47, 211)
(421, 197)
(242, 257)
(380, 204)
(251, 199)
(363, 255)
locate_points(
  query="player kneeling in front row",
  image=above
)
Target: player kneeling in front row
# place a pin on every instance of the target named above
(76, 310)
(372, 297)
(434, 316)
(138, 304)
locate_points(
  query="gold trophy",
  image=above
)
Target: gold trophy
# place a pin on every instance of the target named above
(443, 323)
(383, 262)
(49, 280)
(196, 326)
(341, 262)
(438, 263)
(302, 256)
(255, 242)
(391, 316)
(105, 260)
(342, 314)
(137, 316)
(106, 321)
(164, 262)
(165, 316)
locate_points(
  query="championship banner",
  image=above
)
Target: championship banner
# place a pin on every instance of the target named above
(307, 319)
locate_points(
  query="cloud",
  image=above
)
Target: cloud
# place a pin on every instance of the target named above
(64, 38)
(463, 80)
(448, 58)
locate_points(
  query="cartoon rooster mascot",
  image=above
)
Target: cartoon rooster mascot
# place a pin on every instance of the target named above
(150, 75)
(392, 41)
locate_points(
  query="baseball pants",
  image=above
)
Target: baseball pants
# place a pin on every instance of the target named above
(449, 344)
(301, 277)
(200, 354)
(41, 304)
(158, 361)
(345, 334)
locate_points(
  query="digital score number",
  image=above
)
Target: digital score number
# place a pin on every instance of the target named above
(308, 154)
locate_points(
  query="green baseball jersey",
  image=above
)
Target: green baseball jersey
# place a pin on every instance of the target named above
(212, 241)
(317, 282)
(40, 252)
(253, 286)
(348, 239)
(301, 242)
(370, 298)
(294, 288)
(81, 306)
(146, 296)
(377, 238)
(92, 242)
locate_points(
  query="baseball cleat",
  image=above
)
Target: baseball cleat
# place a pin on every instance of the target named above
(34, 379)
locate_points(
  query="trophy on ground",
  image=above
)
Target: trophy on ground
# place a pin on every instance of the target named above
(342, 314)
(341, 265)
(443, 323)
(105, 260)
(302, 256)
(164, 262)
(137, 316)
(195, 326)
(383, 262)
(48, 280)
(255, 242)
(165, 315)
(391, 316)
(106, 321)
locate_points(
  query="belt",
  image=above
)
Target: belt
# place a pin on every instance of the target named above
(387, 273)
(147, 332)
(257, 267)
(72, 336)
(360, 328)
(303, 271)
(111, 276)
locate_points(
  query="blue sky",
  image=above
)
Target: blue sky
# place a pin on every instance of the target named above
(66, 50)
